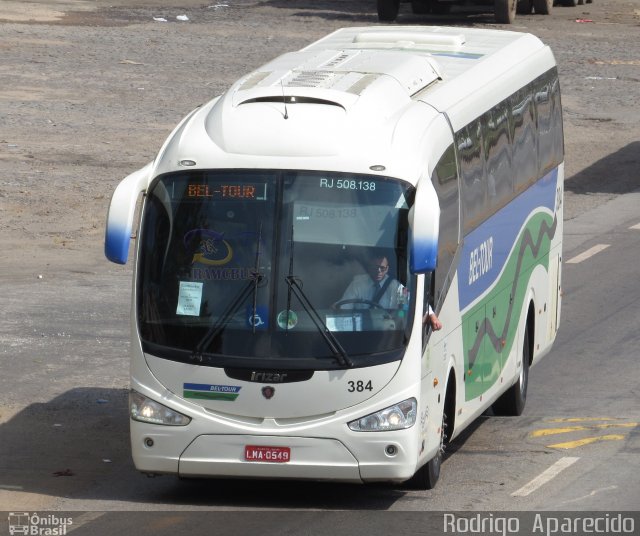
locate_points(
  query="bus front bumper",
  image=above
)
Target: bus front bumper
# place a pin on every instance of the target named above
(308, 458)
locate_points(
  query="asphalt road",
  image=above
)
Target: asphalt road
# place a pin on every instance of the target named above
(88, 92)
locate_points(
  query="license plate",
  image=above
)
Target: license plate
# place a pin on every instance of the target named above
(253, 453)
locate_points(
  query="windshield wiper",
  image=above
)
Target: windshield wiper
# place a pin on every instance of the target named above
(333, 343)
(254, 280)
(295, 287)
(257, 277)
(226, 316)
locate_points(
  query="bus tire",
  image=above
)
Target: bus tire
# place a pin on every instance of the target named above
(512, 402)
(505, 11)
(427, 476)
(543, 7)
(388, 10)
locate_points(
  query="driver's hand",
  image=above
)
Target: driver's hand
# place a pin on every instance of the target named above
(433, 321)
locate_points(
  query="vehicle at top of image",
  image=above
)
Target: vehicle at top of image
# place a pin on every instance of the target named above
(297, 231)
(505, 10)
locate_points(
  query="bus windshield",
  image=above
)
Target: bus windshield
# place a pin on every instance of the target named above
(275, 268)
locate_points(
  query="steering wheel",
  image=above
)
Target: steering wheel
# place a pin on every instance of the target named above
(337, 306)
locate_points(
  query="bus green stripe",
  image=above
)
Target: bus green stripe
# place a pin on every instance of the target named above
(208, 395)
(488, 339)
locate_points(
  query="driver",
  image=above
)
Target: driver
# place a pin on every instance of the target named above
(377, 287)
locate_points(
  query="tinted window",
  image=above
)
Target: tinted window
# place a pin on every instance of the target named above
(474, 186)
(445, 181)
(250, 265)
(523, 134)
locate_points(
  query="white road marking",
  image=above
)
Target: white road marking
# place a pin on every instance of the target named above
(592, 494)
(545, 476)
(636, 227)
(587, 254)
(83, 519)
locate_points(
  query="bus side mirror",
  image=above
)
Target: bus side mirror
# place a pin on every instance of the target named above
(424, 222)
(120, 216)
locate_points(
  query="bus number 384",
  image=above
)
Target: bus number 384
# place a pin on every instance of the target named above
(359, 386)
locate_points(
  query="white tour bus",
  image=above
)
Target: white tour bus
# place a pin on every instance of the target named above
(428, 157)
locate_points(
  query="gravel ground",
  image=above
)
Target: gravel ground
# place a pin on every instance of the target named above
(90, 89)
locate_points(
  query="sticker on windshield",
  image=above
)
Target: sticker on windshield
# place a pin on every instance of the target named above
(344, 323)
(258, 318)
(189, 298)
(287, 321)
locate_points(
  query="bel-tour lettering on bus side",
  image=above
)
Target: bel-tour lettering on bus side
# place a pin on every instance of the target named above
(347, 184)
(480, 260)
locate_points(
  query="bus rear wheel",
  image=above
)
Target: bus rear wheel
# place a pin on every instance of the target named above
(505, 11)
(388, 10)
(512, 402)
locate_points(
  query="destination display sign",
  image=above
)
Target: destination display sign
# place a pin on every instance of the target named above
(228, 191)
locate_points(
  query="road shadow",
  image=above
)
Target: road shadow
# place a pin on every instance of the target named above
(77, 447)
(59, 448)
(616, 173)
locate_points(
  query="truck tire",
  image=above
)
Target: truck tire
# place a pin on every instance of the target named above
(505, 11)
(543, 7)
(388, 10)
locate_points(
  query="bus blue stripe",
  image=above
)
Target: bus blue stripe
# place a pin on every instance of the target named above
(486, 248)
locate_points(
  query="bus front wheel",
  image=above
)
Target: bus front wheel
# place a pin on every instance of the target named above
(427, 476)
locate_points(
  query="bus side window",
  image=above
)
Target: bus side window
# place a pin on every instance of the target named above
(556, 119)
(542, 99)
(470, 152)
(523, 134)
(497, 144)
(445, 182)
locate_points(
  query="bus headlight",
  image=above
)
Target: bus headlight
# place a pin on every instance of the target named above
(397, 417)
(144, 409)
